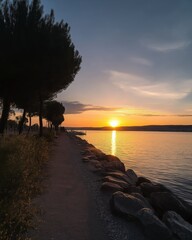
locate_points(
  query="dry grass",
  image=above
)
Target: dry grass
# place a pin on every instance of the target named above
(21, 169)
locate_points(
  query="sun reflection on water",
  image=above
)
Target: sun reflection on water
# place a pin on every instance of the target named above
(113, 143)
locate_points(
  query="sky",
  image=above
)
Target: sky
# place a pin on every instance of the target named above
(136, 61)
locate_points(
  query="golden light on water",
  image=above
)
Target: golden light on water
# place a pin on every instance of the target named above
(114, 123)
(113, 143)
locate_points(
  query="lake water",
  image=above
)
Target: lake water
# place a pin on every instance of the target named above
(163, 157)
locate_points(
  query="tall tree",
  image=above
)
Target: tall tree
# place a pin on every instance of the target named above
(41, 61)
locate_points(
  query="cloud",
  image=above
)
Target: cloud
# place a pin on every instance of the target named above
(184, 115)
(124, 80)
(161, 115)
(76, 107)
(148, 88)
(142, 61)
(162, 91)
(144, 112)
(188, 97)
(167, 47)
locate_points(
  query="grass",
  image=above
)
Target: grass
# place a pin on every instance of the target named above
(21, 170)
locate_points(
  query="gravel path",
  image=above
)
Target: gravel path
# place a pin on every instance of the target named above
(74, 208)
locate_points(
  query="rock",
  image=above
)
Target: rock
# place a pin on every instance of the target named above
(95, 166)
(126, 205)
(86, 153)
(167, 201)
(119, 175)
(111, 163)
(148, 188)
(95, 163)
(83, 152)
(132, 176)
(96, 152)
(133, 189)
(143, 199)
(110, 187)
(85, 159)
(92, 157)
(141, 180)
(120, 182)
(153, 227)
(181, 229)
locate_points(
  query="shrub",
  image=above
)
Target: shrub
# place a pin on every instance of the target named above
(21, 170)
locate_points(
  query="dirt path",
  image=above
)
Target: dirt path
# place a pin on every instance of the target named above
(69, 209)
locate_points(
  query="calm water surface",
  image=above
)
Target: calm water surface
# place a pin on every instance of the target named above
(161, 156)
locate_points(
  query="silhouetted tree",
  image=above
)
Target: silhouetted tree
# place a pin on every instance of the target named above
(21, 121)
(53, 112)
(37, 57)
(10, 64)
(32, 111)
(12, 125)
(57, 120)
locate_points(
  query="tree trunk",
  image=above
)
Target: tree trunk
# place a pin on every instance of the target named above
(29, 129)
(22, 122)
(40, 117)
(5, 115)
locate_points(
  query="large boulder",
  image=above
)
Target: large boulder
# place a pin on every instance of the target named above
(132, 176)
(95, 163)
(179, 227)
(126, 205)
(120, 182)
(96, 152)
(167, 201)
(148, 188)
(99, 154)
(153, 227)
(95, 166)
(88, 157)
(110, 187)
(120, 175)
(133, 189)
(111, 163)
(141, 180)
(143, 199)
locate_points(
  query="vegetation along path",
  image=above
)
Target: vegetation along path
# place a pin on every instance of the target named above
(69, 209)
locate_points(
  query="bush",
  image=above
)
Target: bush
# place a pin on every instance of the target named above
(21, 164)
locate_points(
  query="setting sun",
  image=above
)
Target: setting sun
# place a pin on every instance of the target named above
(114, 123)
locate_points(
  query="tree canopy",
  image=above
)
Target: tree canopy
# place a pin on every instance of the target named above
(53, 112)
(37, 56)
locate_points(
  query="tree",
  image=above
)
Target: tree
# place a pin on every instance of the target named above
(10, 64)
(53, 112)
(37, 56)
(21, 120)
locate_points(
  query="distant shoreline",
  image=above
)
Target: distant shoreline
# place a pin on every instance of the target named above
(150, 128)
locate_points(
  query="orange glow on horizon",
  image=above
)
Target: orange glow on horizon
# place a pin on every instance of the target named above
(103, 119)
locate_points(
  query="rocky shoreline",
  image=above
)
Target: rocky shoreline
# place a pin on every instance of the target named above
(136, 200)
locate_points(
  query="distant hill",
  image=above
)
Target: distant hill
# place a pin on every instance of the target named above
(155, 128)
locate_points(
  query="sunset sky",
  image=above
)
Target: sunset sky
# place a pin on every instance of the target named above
(137, 61)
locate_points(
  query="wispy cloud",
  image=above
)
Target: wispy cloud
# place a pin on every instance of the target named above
(162, 91)
(141, 112)
(161, 115)
(167, 47)
(125, 80)
(142, 61)
(149, 88)
(184, 115)
(76, 107)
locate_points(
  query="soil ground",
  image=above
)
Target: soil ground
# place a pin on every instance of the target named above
(69, 212)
